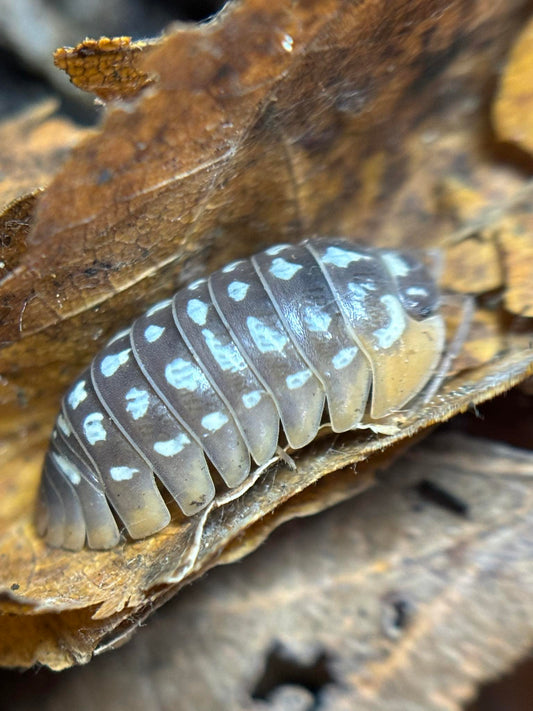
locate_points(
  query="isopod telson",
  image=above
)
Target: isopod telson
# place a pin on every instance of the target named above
(208, 376)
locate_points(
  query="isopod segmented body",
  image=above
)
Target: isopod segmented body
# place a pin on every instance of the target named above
(209, 375)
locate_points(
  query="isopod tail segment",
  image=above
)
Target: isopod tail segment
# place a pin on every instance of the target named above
(204, 382)
(412, 335)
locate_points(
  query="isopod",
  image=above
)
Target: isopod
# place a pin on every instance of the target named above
(296, 335)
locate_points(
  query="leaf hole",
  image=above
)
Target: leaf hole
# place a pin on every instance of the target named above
(397, 615)
(437, 495)
(282, 668)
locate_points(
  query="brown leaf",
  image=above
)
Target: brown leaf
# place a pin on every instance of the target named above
(32, 147)
(473, 265)
(516, 240)
(513, 109)
(418, 606)
(15, 223)
(292, 124)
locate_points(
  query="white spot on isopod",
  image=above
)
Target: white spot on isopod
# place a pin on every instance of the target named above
(416, 291)
(315, 319)
(183, 375)
(359, 294)
(111, 363)
(358, 290)
(227, 356)
(251, 399)
(69, 470)
(395, 264)
(267, 339)
(93, 429)
(388, 335)
(197, 311)
(77, 395)
(276, 249)
(214, 421)
(153, 332)
(138, 401)
(171, 447)
(296, 380)
(63, 425)
(342, 257)
(344, 357)
(122, 473)
(282, 269)
(237, 290)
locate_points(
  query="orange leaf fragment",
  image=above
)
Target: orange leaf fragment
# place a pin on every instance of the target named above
(513, 109)
(516, 240)
(472, 265)
(107, 67)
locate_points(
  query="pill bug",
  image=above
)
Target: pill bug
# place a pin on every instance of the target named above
(202, 382)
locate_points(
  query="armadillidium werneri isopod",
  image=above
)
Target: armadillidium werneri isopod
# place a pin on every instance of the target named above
(204, 380)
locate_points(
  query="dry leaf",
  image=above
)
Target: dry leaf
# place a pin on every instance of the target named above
(513, 109)
(299, 119)
(32, 147)
(384, 601)
(473, 265)
(516, 240)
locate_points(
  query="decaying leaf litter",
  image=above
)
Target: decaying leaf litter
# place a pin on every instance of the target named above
(422, 607)
(156, 187)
